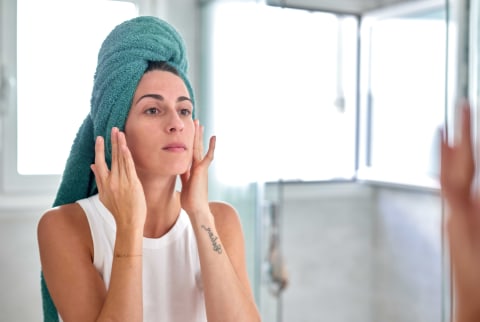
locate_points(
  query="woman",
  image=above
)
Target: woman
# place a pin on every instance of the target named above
(121, 244)
(463, 221)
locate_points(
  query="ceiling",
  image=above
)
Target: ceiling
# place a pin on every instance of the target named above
(357, 7)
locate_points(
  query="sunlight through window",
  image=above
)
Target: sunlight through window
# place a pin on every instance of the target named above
(57, 47)
(284, 93)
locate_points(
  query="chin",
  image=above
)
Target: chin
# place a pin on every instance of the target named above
(165, 170)
(179, 169)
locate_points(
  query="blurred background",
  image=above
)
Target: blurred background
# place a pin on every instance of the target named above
(327, 117)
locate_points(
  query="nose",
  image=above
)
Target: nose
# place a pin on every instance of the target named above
(175, 123)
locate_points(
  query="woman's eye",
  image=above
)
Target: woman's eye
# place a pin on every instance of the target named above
(185, 112)
(152, 111)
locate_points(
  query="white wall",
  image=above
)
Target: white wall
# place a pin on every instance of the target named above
(20, 298)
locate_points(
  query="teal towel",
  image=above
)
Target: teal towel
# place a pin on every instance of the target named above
(122, 60)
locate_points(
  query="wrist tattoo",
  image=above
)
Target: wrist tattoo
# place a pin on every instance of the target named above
(216, 246)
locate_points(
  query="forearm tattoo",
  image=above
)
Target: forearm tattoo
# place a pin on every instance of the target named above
(216, 246)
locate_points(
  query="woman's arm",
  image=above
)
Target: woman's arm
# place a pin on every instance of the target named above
(220, 242)
(76, 288)
(66, 247)
(463, 221)
(66, 259)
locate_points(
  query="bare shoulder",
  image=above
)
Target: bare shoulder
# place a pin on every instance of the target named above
(65, 224)
(65, 216)
(66, 256)
(225, 214)
(228, 225)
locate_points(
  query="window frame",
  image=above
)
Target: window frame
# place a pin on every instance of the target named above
(366, 171)
(12, 181)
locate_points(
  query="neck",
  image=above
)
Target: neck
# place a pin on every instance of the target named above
(163, 206)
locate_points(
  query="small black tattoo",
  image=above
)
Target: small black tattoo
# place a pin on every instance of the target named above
(216, 246)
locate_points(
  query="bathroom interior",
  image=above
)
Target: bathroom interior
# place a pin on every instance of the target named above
(327, 116)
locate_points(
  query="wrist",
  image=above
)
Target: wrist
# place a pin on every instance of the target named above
(201, 217)
(129, 232)
(128, 241)
(125, 255)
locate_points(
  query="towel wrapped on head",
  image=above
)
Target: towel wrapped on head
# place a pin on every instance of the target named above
(122, 61)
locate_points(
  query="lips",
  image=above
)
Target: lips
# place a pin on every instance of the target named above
(175, 147)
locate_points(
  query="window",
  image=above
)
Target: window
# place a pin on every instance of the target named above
(64, 58)
(56, 51)
(284, 93)
(403, 94)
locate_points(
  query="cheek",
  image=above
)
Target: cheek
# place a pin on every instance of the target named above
(130, 138)
(133, 142)
(133, 148)
(189, 156)
(135, 132)
(190, 132)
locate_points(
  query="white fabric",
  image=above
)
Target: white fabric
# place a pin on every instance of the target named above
(172, 288)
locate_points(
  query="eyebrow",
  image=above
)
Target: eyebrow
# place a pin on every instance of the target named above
(160, 98)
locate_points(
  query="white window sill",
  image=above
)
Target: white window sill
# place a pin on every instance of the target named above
(397, 178)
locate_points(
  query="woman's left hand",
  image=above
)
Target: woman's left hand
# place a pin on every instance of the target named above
(463, 220)
(194, 194)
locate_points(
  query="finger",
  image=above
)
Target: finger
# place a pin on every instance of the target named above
(127, 162)
(467, 141)
(466, 131)
(211, 149)
(200, 142)
(114, 142)
(445, 151)
(101, 169)
(197, 148)
(98, 178)
(184, 177)
(121, 153)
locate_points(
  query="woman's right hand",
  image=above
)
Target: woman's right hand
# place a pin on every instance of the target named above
(119, 189)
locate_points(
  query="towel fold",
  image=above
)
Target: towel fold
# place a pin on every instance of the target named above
(122, 61)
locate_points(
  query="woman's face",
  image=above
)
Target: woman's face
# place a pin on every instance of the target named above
(159, 128)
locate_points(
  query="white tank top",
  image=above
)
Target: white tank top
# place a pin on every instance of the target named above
(172, 285)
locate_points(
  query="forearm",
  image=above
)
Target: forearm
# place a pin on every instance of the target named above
(465, 313)
(226, 298)
(124, 300)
